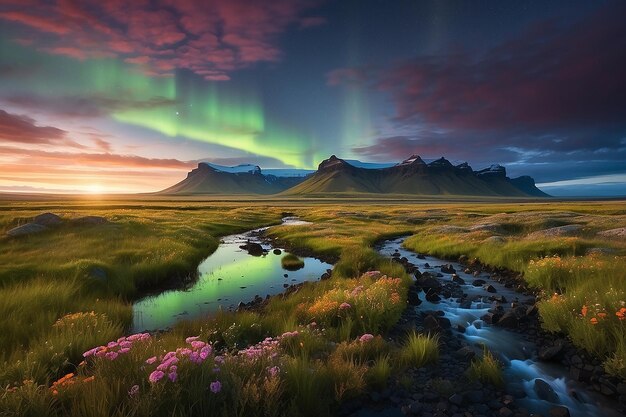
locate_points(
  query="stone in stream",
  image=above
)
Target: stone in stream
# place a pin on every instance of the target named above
(458, 279)
(277, 251)
(549, 353)
(432, 297)
(489, 288)
(325, 276)
(413, 296)
(420, 256)
(545, 391)
(447, 269)
(253, 248)
(26, 229)
(428, 282)
(509, 320)
(478, 282)
(559, 411)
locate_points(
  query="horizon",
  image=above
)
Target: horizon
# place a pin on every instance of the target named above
(111, 99)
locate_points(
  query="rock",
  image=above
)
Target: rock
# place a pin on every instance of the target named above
(90, 220)
(545, 391)
(27, 229)
(465, 352)
(508, 320)
(489, 288)
(456, 399)
(47, 219)
(253, 248)
(460, 328)
(432, 297)
(505, 412)
(475, 396)
(495, 240)
(447, 269)
(463, 259)
(548, 353)
(491, 318)
(413, 297)
(616, 233)
(458, 279)
(325, 276)
(479, 282)
(277, 251)
(567, 230)
(431, 324)
(532, 310)
(559, 411)
(428, 282)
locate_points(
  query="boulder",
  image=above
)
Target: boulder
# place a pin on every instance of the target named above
(413, 297)
(448, 269)
(253, 248)
(545, 391)
(277, 251)
(47, 219)
(489, 288)
(509, 320)
(27, 229)
(479, 282)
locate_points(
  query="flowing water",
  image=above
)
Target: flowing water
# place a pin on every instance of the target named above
(521, 368)
(228, 276)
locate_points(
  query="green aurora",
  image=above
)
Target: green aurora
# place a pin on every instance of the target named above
(180, 106)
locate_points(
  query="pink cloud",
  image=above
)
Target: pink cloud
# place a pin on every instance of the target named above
(218, 35)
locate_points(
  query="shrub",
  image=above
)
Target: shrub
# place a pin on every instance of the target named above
(291, 262)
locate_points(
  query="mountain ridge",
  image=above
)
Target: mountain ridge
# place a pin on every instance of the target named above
(335, 175)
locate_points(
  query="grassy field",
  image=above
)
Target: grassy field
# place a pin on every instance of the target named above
(68, 290)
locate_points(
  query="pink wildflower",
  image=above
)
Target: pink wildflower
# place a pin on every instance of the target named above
(123, 350)
(91, 352)
(192, 339)
(197, 344)
(344, 306)
(156, 376)
(111, 356)
(151, 360)
(134, 390)
(216, 387)
(366, 337)
(173, 376)
(274, 370)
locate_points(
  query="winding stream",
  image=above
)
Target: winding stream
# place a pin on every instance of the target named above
(517, 354)
(229, 275)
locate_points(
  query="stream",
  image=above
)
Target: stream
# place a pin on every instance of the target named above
(521, 367)
(228, 276)
(232, 275)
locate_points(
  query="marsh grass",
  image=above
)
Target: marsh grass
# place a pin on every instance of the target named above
(487, 369)
(291, 262)
(419, 350)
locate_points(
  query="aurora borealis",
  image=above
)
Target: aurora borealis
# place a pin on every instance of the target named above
(123, 96)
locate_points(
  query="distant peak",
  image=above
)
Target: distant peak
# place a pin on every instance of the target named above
(495, 170)
(413, 159)
(441, 162)
(332, 162)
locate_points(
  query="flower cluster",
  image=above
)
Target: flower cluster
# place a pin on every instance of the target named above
(67, 381)
(113, 349)
(366, 337)
(596, 313)
(266, 348)
(168, 363)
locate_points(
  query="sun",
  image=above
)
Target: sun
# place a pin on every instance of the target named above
(95, 189)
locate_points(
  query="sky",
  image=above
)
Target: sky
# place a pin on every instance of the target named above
(128, 96)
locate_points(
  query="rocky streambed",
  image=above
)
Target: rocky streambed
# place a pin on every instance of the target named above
(473, 308)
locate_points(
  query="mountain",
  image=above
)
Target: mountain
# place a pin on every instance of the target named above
(414, 176)
(242, 179)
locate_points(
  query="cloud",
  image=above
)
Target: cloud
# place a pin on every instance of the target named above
(23, 130)
(211, 38)
(553, 94)
(87, 105)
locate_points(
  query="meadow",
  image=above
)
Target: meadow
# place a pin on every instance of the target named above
(65, 299)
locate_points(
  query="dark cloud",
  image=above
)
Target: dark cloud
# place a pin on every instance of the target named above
(211, 38)
(24, 130)
(553, 94)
